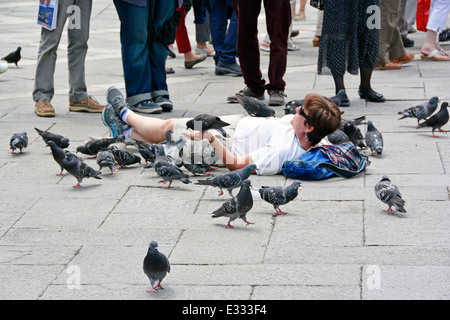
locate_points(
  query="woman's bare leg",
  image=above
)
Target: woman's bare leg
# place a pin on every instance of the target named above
(149, 129)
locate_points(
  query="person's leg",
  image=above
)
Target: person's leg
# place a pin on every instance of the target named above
(278, 20)
(247, 12)
(229, 46)
(77, 51)
(134, 36)
(149, 129)
(46, 60)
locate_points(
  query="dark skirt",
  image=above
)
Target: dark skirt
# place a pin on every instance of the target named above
(349, 37)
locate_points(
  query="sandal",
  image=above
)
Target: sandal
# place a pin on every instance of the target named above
(433, 56)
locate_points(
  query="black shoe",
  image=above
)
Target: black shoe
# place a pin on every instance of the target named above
(190, 64)
(445, 36)
(223, 68)
(246, 92)
(408, 43)
(375, 97)
(341, 99)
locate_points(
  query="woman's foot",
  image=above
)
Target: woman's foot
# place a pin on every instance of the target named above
(370, 94)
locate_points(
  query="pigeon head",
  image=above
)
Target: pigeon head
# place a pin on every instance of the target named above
(250, 168)
(246, 183)
(385, 177)
(153, 244)
(297, 184)
(64, 142)
(82, 149)
(51, 144)
(444, 105)
(434, 101)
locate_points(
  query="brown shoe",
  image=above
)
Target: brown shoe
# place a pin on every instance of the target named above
(316, 41)
(43, 108)
(407, 58)
(89, 105)
(389, 66)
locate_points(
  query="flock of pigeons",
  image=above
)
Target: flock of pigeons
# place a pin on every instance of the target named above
(167, 160)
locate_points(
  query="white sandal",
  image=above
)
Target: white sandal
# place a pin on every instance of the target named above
(432, 54)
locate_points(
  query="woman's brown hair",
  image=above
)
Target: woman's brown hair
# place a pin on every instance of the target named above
(323, 114)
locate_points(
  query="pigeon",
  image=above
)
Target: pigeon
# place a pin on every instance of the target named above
(374, 139)
(166, 168)
(205, 122)
(237, 207)
(437, 120)
(93, 146)
(389, 194)
(338, 137)
(354, 134)
(14, 57)
(197, 165)
(58, 154)
(356, 121)
(105, 159)
(18, 141)
(420, 111)
(229, 180)
(278, 195)
(156, 266)
(79, 169)
(255, 107)
(148, 151)
(291, 106)
(172, 148)
(123, 156)
(60, 141)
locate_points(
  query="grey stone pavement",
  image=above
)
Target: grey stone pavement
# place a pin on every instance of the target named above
(336, 242)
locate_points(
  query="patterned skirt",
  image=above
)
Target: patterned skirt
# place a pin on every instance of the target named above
(350, 36)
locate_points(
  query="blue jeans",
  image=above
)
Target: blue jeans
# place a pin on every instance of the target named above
(143, 60)
(224, 42)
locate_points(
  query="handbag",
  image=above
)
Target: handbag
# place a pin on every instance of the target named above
(423, 12)
(319, 4)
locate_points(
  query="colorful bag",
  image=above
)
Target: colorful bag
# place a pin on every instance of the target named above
(323, 162)
(423, 12)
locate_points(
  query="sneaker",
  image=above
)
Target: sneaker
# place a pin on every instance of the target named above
(111, 119)
(276, 98)
(164, 102)
(223, 68)
(246, 92)
(89, 105)
(43, 108)
(147, 106)
(116, 99)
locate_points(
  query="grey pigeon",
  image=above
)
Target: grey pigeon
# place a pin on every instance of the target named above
(47, 136)
(93, 146)
(356, 121)
(437, 120)
(105, 159)
(374, 139)
(204, 122)
(278, 195)
(389, 194)
(337, 137)
(58, 154)
(229, 180)
(292, 105)
(166, 168)
(354, 134)
(172, 148)
(123, 156)
(237, 207)
(197, 165)
(18, 141)
(420, 111)
(156, 266)
(148, 151)
(255, 107)
(79, 169)
(14, 57)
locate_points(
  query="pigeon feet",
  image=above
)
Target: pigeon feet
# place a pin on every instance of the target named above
(152, 290)
(279, 212)
(59, 174)
(229, 225)
(248, 222)
(78, 185)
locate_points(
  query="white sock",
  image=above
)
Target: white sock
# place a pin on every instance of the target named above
(125, 114)
(127, 133)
